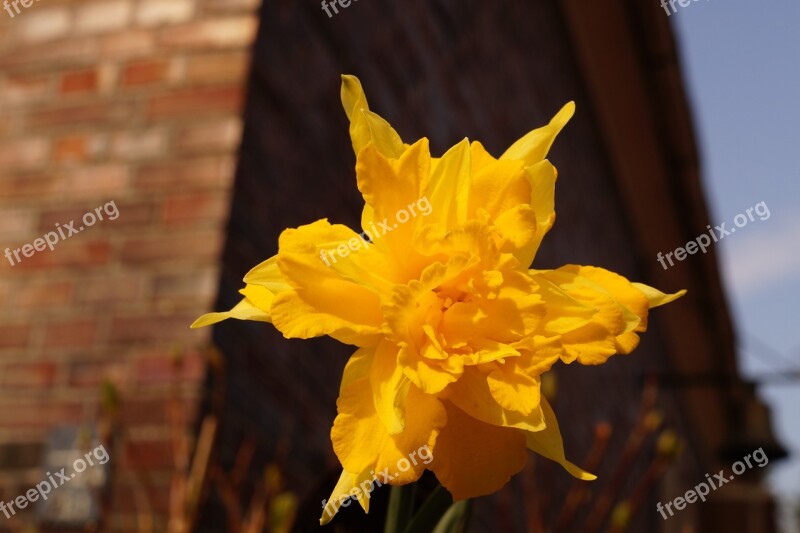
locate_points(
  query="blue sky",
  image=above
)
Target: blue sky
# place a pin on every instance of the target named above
(741, 62)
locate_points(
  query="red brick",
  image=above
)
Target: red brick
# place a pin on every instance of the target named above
(144, 412)
(43, 295)
(158, 366)
(72, 334)
(22, 186)
(183, 174)
(42, 415)
(45, 26)
(160, 12)
(130, 214)
(74, 52)
(193, 102)
(155, 454)
(172, 328)
(218, 68)
(217, 6)
(145, 73)
(191, 208)
(132, 145)
(166, 247)
(123, 289)
(221, 135)
(91, 374)
(80, 81)
(49, 218)
(96, 113)
(25, 153)
(70, 254)
(29, 375)
(105, 16)
(25, 88)
(79, 148)
(14, 335)
(15, 224)
(201, 286)
(128, 44)
(229, 32)
(73, 148)
(100, 182)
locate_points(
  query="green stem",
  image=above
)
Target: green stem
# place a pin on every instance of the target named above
(431, 511)
(401, 505)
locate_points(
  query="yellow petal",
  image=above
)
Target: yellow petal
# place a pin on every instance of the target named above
(655, 297)
(449, 187)
(360, 439)
(496, 186)
(267, 274)
(390, 185)
(608, 312)
(548, 443)
(389, 387)
(429, 376)
(517, 230)
(299, 317)
(323, 302)
(564, 313)
(471, 394)
(537, 354)
(591, 344)
(259, 296)
(382, 135)
(473, 458)
(366, 126)
(513, 389)
(348, 485)
(353, 97)
(627, 342)
(634, 306)
(244, 310)
(619, 308)
(487, 350)
(542, 179)
(534, 146)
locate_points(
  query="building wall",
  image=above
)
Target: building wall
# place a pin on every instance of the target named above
(136, 102)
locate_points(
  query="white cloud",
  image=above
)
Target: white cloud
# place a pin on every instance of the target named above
(768, 256)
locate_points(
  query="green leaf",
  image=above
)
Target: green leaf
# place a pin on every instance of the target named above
(455, 519)
(431, 511)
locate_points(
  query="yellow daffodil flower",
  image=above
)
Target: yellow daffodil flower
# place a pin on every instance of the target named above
(453, 329)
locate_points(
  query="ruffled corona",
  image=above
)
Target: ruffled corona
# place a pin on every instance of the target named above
(453, 329)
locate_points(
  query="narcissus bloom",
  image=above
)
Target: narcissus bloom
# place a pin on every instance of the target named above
(453, 329)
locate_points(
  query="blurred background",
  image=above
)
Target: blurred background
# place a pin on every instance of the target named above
(212, 125)
(742, 79)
